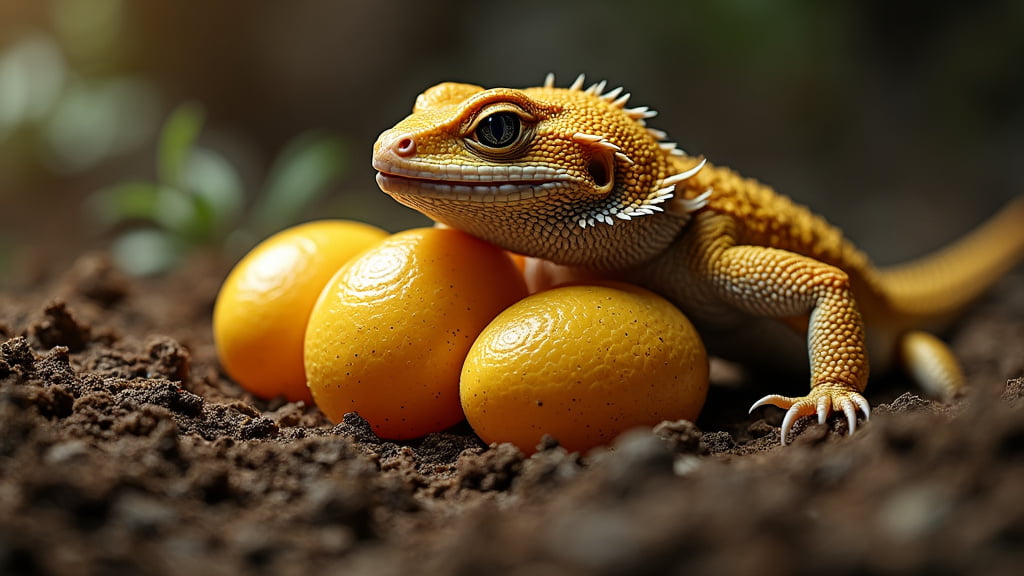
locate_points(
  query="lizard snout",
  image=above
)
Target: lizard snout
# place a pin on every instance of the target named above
(401, 144)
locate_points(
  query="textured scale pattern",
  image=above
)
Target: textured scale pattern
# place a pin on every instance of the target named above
(585, 186)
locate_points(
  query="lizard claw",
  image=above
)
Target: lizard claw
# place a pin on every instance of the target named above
(821, 400)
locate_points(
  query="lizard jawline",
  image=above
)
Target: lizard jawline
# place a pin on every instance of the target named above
(476, 191)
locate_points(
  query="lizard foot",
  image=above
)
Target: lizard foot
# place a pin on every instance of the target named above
(821, 400)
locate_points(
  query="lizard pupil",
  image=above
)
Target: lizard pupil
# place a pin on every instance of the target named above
(499, 130)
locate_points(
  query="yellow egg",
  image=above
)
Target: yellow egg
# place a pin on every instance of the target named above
(388, 336)
(259, 319)
(583, 363)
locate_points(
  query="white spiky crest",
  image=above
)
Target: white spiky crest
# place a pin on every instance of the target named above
(602, 142)
(665, 189)
(618, 98)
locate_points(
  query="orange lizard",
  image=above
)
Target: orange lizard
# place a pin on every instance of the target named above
(576, 178)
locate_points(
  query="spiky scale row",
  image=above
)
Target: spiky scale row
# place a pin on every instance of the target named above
(675, 179)
(597, 89)
(611, 95)
(640, 113)
(666, 188)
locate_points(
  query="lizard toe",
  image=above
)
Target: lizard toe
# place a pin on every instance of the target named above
(862, 403)
(797, 411)
(823, 403)
(795, 408)
(773, 400)
(850, 410)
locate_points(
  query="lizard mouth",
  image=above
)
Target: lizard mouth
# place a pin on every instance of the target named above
(469, 184)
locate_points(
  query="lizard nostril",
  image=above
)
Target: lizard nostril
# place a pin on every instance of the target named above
(405, 147)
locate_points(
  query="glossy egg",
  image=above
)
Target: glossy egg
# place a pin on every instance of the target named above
(389, 334)
(259, 319)
(583, 363)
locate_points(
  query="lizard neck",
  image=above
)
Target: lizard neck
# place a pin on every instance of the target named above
(619, 245)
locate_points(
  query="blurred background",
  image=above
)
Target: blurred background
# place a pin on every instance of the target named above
(156, 128)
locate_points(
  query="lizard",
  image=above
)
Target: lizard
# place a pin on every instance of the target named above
(575, 178)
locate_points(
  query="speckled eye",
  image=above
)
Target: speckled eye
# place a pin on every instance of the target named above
(499, 130)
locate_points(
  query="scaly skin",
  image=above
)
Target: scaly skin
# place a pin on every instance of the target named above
(575, 178)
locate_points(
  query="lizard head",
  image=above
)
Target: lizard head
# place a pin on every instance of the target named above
(568, 175)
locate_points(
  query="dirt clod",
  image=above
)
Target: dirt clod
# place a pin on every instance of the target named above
(59, 327)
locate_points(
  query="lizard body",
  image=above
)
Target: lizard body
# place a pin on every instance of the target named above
(574, 177)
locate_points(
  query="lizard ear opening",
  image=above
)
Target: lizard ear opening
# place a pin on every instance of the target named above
(602, 170)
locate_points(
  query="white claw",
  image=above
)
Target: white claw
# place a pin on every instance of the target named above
(578, 83)
(549, 80)
(862, 403)
(769, 399)
(822, 407)
(851, 415)
(787, 423)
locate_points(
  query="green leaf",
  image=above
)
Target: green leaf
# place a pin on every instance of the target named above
(300, 175)
(127, 201)
(32, 74)
(176, 212)
(98, 119)
(176, 141)
(217, 191)
(170, 208)
(146, 252)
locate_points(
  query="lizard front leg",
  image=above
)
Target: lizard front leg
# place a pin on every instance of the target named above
(778, 283)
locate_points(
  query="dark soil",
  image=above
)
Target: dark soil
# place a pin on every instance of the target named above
(124, 450)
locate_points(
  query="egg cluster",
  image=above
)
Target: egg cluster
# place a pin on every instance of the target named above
(419, 330)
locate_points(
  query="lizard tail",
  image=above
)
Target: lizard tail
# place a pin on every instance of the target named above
(932, 290)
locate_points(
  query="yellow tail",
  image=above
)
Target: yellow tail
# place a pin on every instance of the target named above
(930, 291)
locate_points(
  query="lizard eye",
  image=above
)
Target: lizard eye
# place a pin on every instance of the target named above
(499, 130)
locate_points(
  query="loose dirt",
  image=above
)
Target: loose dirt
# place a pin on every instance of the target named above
(125, 450)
